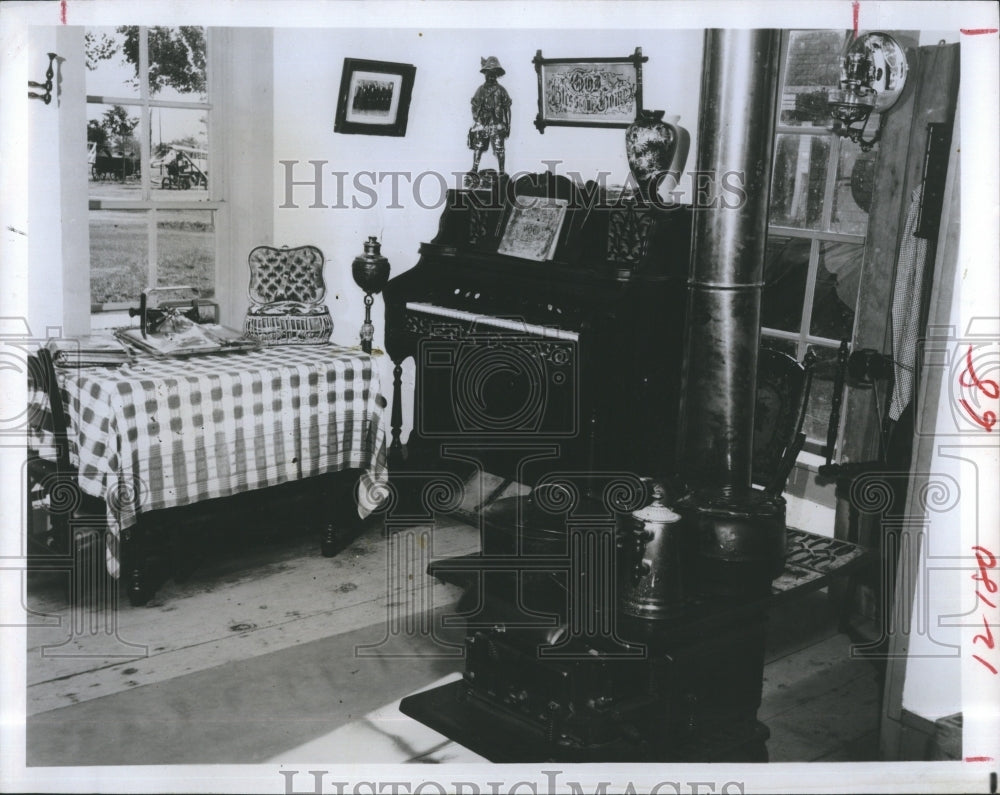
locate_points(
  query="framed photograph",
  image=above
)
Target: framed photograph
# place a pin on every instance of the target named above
(532, 232)
(374, 98)
(589, 92)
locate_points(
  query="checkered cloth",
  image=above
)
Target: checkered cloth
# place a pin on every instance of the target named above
(39, 425)
(158, 433)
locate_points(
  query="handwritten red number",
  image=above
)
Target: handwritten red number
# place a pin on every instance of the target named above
(985, 560)
(988, 637)
(987, 421)
(980, 659)
(988, 387)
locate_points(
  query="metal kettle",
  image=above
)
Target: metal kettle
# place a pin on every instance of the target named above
(651, 551)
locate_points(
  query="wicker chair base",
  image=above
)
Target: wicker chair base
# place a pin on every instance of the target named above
(289, 329)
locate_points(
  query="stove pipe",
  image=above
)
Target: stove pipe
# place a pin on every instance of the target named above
(739, 531)
(735, 138)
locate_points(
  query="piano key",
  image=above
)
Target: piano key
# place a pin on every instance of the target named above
(495, 322)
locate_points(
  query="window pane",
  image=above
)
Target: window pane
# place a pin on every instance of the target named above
(852, 198)
(780, 345)
(836, 296)
(177, 63)
(179, 167)
(812, 66)
(113, 151)
(786, 266)
(186, 249)
(817, 419)
(119, 259)
(799, 180)
(112, 58)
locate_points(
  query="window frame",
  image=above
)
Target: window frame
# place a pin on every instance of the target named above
(803, 338)
(146, 204)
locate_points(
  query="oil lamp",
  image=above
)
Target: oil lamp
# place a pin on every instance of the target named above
(873, 75)
(371, 272)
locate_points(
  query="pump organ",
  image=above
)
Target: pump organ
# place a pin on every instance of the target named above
(570, 364)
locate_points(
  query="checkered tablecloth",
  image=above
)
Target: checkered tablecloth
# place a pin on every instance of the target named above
(158, 433)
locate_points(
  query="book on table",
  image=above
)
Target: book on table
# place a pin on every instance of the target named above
(181, 337)
(88, 350)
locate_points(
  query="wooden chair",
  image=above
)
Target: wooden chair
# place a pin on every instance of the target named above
(783, 387)
(71, 524)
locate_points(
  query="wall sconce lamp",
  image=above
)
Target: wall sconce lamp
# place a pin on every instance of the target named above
(873, 75)
(47, 85)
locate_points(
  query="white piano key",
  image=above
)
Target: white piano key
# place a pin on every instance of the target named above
(489, 320)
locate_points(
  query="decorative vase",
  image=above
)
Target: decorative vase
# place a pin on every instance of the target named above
(370, 272)
(654, 146)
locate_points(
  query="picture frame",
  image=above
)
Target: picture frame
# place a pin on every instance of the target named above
(589, 92)
(374, 97)
(533, 231)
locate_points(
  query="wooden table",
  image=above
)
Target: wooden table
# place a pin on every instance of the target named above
(158, 433)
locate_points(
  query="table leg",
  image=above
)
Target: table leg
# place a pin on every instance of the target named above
(341, 510)
(137, 596)
(335, 538)
(134, 568)
(395, 446)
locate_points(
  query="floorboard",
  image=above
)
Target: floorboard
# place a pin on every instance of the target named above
(230, 612)
(243, 642)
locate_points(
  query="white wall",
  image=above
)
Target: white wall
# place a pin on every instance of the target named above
(941, 675)
(242, 144)
(58, 241)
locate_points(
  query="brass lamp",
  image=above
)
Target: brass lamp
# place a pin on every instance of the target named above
(873, 75)
(370, 272)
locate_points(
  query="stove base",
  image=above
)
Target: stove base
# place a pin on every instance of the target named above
(504, 737)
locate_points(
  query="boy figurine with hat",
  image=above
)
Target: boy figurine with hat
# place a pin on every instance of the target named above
(491, 119)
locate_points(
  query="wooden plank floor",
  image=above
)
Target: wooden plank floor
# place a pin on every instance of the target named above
(818, 702)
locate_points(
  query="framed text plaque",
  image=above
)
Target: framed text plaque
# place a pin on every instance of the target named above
(589, 92)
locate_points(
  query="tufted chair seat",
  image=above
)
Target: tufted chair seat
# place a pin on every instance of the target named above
(286, 297)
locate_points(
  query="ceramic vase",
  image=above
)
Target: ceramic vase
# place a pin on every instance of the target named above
(652, 147)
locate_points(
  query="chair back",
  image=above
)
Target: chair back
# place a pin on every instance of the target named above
(76, 521)
(286, 297)
(57, 409)
(783, 386)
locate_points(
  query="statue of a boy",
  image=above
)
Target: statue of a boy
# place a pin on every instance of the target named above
(490, 116)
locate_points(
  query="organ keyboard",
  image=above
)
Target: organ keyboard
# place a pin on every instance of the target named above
(493, 322)
(570, 364)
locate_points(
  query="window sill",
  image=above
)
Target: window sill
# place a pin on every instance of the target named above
(809, 461)
(105, 321)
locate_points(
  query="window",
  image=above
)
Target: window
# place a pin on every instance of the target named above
(820, 192)
(153, 192)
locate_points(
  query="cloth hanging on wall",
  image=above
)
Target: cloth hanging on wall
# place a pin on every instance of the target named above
(906, 303)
